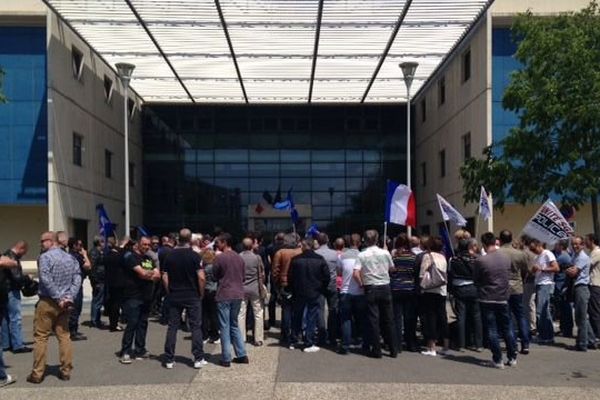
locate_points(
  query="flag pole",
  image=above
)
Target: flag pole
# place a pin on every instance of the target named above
(476, 222)
(385, 235)
(449, 238)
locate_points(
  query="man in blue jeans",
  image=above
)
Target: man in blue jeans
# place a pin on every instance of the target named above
(518, 271)
(5, 262)
(12, 333)
(580, 271)
(544, 267)
(228, 270)
(491, 276)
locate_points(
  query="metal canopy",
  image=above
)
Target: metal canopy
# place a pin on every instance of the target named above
(275, 51)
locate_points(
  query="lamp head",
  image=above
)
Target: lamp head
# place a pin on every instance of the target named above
(125, 71)
(408, 70)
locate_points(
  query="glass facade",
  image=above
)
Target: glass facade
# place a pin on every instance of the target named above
(211, 166)
(503, 64)
(24, 117)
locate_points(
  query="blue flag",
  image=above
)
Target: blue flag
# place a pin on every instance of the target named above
(448, 251)
(106, 227)
(142, 231)
(312, 231)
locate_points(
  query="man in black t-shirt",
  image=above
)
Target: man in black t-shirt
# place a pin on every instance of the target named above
(138, 276)
(184, 280)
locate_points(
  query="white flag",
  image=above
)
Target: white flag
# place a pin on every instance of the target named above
(484, 205)
(450, 213)
(548, 225)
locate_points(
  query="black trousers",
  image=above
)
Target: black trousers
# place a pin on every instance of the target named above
(210, 319)
(193, 307)
(379, 311)
(113, 306)
(435, 318)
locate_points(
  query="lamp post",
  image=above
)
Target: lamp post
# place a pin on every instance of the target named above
(125, 71)
(408, 71)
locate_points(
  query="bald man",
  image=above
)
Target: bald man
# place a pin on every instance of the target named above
(254, 276)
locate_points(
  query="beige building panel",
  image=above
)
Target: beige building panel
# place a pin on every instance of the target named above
(464, 111)
(511, 7)
(80, 106)
(23, 223)
(515, 216)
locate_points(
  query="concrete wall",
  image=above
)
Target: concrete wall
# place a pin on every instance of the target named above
(23, 223)
(79, 105)
(466, 109)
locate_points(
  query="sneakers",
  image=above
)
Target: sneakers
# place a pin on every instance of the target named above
(125, 359)
(444, 352)
(200, 363)
(215, 341)
(431, 353)
(8, 380)
(170, 365)
(76, 336)
(312, 349)
(241, 360)
(142, 356)
(498, 365)
(23, 350)
(291, 347)
(511, 362)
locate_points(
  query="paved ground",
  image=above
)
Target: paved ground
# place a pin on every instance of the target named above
(286, 374)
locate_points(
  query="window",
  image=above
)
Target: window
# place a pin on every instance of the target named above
(77, 149)
(131, 108)
(424, 174)
(131, 175)
(424, 230)
(423, 110)
(466, 145)
(108, 163)
(77, 62)
(466, 65)
(442, 157)
(442, 90)
(108, 89)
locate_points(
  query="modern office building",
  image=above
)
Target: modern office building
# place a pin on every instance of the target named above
(459, 112)
(233, 103)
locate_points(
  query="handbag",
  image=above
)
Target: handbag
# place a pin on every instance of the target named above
(263, 291)
(30, 288)
(433, 278)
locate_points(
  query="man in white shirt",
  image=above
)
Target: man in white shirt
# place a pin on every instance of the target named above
(372, 272)
(544, 267)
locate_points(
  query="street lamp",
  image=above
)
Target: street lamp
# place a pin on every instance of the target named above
(125, 71)
(408, 71)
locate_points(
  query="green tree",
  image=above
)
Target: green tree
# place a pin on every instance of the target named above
(555, 149)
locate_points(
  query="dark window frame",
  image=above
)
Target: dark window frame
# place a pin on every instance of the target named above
(132, 181)
(466, 146)
(442, 91)
(77, 149)
(77, 63)
(108, 89)
(442, 161)
(108, 156)
(466, 64)
(424, 110)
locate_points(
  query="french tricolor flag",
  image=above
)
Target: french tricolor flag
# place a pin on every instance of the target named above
(400, 205)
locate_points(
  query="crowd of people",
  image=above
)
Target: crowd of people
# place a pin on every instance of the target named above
(362, 294)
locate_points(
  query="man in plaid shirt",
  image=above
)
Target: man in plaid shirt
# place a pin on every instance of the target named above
(60, 280)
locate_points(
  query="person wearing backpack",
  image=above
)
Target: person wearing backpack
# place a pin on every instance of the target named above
(462, 287)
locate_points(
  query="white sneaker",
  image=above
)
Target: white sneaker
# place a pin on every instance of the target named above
(8, 380)
(169, 365)
(200, 363)
(444, 352)
(431, 353)
(511, 363)
(312, 349)
(499, 365)
(125, 359)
